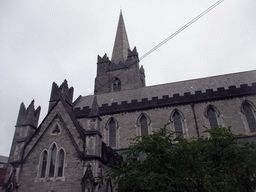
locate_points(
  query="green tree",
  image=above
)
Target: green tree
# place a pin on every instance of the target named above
(160, 162)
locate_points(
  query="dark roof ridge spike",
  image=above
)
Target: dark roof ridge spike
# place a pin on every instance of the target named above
(94, 112)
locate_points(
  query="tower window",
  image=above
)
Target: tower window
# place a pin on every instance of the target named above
(116, 84)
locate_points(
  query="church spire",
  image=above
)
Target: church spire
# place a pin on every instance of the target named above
(121, 46)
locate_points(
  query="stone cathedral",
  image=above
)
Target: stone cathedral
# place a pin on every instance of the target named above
(76, 141)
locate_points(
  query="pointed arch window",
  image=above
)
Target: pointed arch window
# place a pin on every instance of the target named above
(144, 125)
(60, 163)
(112, 133)
(44, 164)
(53, 161)
(177, 123)
(212, 116)
(116, 84)
(52, 165)
(250, 116)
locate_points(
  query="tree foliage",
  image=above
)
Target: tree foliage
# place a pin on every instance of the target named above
(160, 162)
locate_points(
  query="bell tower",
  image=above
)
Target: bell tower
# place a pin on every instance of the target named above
(122, 72)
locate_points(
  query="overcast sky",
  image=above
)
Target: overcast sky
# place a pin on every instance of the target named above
(44, 41)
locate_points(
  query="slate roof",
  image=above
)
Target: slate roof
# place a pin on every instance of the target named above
(170, 89)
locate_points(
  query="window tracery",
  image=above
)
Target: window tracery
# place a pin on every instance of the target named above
(52, 165)
(56, 129)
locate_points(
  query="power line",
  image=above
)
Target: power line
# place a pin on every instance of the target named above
(171, 36)
(181, 29)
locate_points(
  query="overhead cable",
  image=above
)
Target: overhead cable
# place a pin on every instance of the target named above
(181, 29)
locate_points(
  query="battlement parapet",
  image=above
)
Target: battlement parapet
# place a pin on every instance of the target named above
(177, 99)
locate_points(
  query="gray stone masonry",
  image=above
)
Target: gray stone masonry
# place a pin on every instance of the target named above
(29, 178)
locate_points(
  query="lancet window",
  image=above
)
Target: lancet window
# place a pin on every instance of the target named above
(52, 160)
(178, 123)
(112, 133)
(43, 164)
(213, 116)
(249, 113)
(52, 165)
(144, 125)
